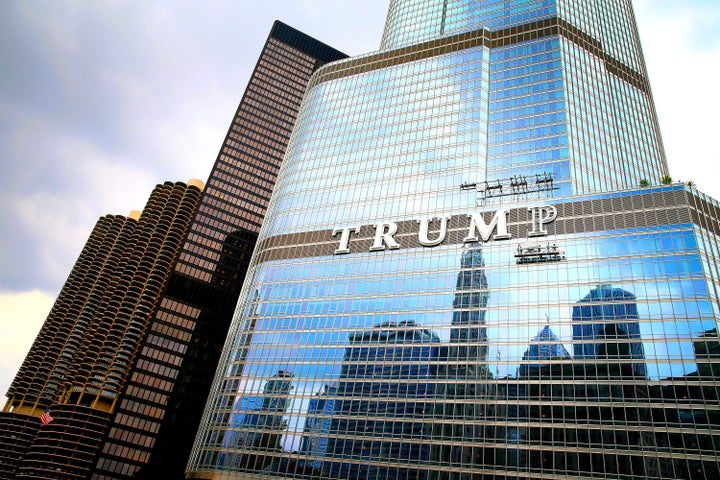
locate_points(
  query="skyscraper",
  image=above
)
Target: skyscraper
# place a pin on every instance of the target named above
(136, 389)
(518, 130)
(173, 375)
(80, 360)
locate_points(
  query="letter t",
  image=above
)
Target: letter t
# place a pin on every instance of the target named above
(344, 238)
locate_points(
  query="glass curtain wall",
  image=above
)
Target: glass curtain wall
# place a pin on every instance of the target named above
(440, 289)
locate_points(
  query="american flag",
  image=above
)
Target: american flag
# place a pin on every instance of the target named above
(45, 418)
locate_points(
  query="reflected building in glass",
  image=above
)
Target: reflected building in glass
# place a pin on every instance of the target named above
(317, 425)
(260, 424)
(386, 387)
(468, 337)
(604, 321)
(478, 179)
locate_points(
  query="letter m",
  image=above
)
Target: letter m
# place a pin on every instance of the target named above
(478, 225)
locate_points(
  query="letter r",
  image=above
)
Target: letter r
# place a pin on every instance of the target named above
(384, 236)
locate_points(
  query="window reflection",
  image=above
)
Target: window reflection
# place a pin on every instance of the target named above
(376, 372)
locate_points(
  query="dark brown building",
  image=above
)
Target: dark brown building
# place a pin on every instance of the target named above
(128, 397)
(160, 409)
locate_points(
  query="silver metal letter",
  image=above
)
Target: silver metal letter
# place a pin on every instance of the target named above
(384, 236)
(477, 225)
(344, 239)
(424, 227)
(541, 216)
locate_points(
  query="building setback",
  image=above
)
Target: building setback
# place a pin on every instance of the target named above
(168, 361)
(460, 274)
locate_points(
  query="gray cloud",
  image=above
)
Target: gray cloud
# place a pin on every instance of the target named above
(695, 21)
(682, 53)
(101, 100)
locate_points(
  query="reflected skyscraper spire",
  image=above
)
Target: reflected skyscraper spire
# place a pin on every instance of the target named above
(467, 388)
(543, 349)
(468, 335)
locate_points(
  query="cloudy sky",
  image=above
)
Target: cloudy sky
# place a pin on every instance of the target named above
(100, 100)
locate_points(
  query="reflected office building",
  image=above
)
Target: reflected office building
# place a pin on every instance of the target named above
(473, 266)
(317, 426)
(605, 323)
(259, 424)
(385, 389)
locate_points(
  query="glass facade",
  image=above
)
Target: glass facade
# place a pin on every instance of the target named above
(456, 278)
(464, 361)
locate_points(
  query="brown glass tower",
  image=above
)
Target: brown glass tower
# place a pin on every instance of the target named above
(161, 406)
(160, 374)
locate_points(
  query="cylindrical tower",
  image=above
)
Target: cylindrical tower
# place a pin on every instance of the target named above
(85, 349)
